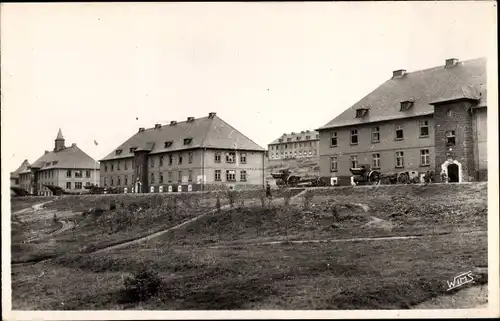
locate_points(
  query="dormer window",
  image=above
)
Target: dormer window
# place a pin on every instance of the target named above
(281, 140)
(132, 149)
(288, 139)
(406, 105)
(47, 164)
(187, 141)
(54, 162)
(298, 138)
(361, 112)
(168, 144)
(118, 151)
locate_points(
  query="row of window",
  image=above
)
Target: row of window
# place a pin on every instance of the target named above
(293, 155)
(375, 134)
(424, 160)
(294, 145)
(78, 185)
(230, 176)
(230, 157)
(69, 173)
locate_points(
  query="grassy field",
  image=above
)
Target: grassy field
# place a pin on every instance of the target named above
(206, 265)
(358, 275)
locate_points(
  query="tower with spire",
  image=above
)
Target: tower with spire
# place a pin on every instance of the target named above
(59, 141)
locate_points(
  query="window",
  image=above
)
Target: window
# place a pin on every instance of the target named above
(334, 165)
(308, 137)
(152, 178)
(105, 167)
(112, 167)
(217, 157)
(424, 157)
(180, 176)
(161, 178)
(68, 184)
(354, 137)
(230, 157)
(376, 161)
(190, 157)
(217, 175)
(170, 160)
(126, 180)
(105, 182)
(87, 173)
(399, 132)
(168, 144)
(424, 128)
(406, 105)
(180, 159)
(231, 175)
(375, 134)
(400, 159)
(68, 173)
(333, 139)
(169, 177)
(118, 181)
(161, 161)
(190, 175)
(112, 181)
(450, 138)
(132, 149)
(54, 162)
(361, 112)
(118, 166)
(243, 158)
(288, 139)
(125, 165)
(152, 162)
(187, 141)
(243, 176)
(118, 151)
(354, 161)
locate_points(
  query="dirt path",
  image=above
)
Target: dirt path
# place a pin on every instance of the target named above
(358, 239)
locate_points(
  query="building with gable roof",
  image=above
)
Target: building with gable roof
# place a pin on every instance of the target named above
(184, 156)
(15, 179)
(303, 145)
(428, 120)
(66, 167)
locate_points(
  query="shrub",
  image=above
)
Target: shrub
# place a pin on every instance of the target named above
(112, 206)
(142, 284)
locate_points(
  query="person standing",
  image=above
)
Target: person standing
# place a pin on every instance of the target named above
(268, 190)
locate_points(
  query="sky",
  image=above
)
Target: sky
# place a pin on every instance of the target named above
(265, 68)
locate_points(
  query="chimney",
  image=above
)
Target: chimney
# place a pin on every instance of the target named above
(173, 122)
(211, 115)
(46, 152)
(157, 126)
(301, 131)
(293, 133)
(190, 119)
(450, 62)
(73, 145)
(141, 129)
(398, 73)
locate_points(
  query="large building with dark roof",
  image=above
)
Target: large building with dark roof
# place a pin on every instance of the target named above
(429, 120)
(304, 144)
(66, 167)
(184, 156)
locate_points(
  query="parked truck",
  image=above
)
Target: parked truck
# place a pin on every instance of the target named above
(285, 178)
(363, 175)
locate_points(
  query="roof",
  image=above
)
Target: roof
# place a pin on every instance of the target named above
(293, 136)
(23, 167)
(68, 157)
(466, 79)
(206, 132)
(59, 135)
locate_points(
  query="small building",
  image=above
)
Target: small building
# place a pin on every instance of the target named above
(428, 120)
(192, 155)
(15, 179)
(303, 145)
(66, 167)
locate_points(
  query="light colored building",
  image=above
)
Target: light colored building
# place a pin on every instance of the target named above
(184, 156)
(428, 120)
(15, 179)
(295, 145)
(66, 167)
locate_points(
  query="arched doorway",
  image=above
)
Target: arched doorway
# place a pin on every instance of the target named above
(453, 173)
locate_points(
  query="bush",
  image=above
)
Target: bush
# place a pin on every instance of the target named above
(142, 285)
(217, 204)
(112, 206)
